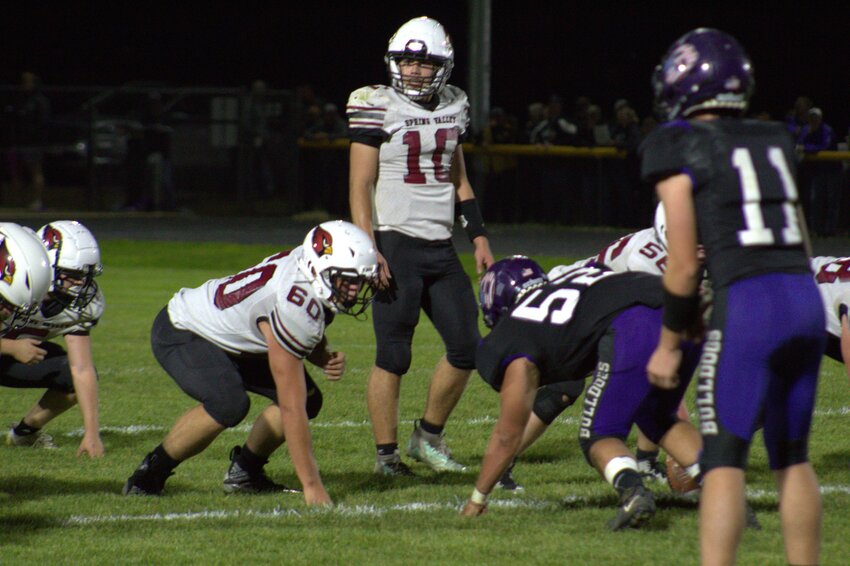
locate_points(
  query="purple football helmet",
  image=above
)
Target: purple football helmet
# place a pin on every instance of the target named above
(504, 283)
(704, 69)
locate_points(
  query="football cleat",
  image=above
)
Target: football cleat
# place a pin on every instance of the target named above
(392, 466)
(636, 507)
(36, 440)
(437, 457)
(507, 481)
(145, 482)
(239, 480)
(652, 470)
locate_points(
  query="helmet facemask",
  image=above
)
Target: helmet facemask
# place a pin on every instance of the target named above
(81, 291)
(351, 293)
(419, 88)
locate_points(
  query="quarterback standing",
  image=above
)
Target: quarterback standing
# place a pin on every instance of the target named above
(72, 307)
(731, 181)
(407, 179)
(251, 332)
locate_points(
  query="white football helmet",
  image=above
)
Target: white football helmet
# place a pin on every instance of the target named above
(74, 254)
(660, 225)
(423, 39)
(25, 275)
(335, 257)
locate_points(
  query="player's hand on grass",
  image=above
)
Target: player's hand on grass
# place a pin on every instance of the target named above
(335, 366)
(473, 509)
(317, 496)
(91, 445)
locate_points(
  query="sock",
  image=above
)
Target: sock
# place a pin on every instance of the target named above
(387, 450)
(626, 479)
(650, 455)
(432, 429)
(161, 462)
(249, 461)
(24, 429)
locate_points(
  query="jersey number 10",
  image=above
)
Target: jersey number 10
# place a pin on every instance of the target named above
(413, 142)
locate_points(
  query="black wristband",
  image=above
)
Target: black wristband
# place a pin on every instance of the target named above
(842, 311)
(679, 312)
(471, 219)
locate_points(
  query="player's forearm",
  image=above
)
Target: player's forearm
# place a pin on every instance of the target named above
(86, 390)
(300, 445)
(501, 449)
(360, 201)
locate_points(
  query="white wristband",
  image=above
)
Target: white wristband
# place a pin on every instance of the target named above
(479, 498)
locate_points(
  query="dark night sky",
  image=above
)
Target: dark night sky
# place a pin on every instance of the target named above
(602, 49)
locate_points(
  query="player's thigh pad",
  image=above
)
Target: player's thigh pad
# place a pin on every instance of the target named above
(760, 364)
(51, 373)
(202, 370)
(395, 311)
(257, 377)
(449, 302)
(619, 384)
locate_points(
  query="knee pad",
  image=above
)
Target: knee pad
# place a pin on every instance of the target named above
(462, 358)
(228, 412)
(394, 357)
(314, 402)
(553, 399)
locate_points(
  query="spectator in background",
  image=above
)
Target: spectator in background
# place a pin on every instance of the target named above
(554, 129)
(327, 168)
(500, 170)
(630, 205)
(259, 178)
(150, 171)
(592, 129)
(797, 117)
(647, 124)
(823, 177)
(561, 191)
(536, 114)
(29, 135)
(331, 125)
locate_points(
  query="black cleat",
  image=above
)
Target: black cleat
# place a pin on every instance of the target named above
(507, 481)
(144, 482)
(239, 480)
(636, 507)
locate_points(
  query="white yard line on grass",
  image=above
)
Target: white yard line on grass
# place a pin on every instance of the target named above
(569, 420)
(370, 510)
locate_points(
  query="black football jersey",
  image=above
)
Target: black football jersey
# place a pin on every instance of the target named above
(558, 326)
(745, 194)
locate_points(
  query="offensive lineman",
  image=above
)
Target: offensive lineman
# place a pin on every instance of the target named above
(407, 178)
(72, 307)
(251, 332)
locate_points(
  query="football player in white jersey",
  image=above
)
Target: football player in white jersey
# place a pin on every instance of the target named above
(407, 180)
(833, 277)
(25, 275)
(251, 332)
(70, 309)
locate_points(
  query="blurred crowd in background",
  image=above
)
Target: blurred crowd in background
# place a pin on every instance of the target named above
(256, 139)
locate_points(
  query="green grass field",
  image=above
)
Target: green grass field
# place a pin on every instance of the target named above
(59, 509)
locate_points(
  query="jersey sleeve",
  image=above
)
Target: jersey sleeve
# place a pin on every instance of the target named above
(661, 152)
(296, 328)
(367, 112)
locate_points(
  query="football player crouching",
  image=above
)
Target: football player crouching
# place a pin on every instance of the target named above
(555, 331)
(71, 307)
(251, 332)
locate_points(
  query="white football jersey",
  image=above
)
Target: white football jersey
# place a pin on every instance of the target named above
(227, 311)
(833, 277)
(414, 193)
(638, 251)
(66, 322)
